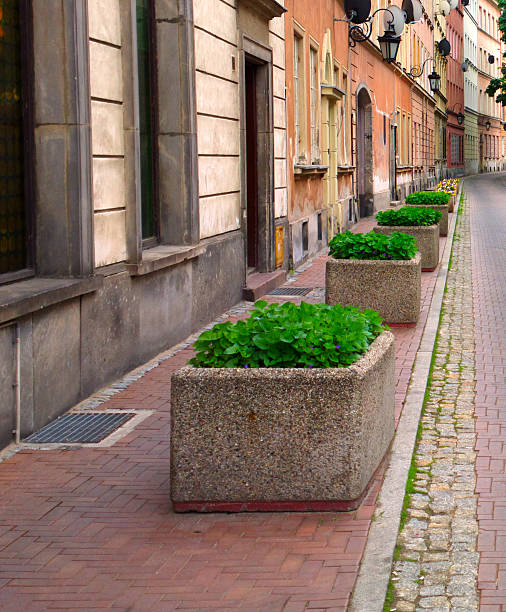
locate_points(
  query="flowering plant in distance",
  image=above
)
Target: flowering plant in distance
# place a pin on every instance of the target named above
(409, 216)
(290, 336)
(428, 198)
(373, 246)
(448, 186)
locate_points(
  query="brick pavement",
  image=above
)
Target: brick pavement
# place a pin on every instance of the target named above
(92, 528)
(488, 230)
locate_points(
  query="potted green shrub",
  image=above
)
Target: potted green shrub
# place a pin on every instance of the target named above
(422, 223)
(438, 200)
(377, 271)
(290, 409)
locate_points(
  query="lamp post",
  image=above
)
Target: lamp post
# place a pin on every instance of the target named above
(460, 115)
(360, 30)
(434, 78)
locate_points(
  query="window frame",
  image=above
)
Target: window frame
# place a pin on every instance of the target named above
(299, 98)
(314, 103)
(28, 127)
(152, 79)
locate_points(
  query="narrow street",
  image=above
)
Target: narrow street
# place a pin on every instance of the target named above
(92, 527)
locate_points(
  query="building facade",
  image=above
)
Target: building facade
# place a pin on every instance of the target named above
(127, 215)
(471, 91)
(489, 66)
(455, 137)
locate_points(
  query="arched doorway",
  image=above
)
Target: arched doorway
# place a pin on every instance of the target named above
(364, 153)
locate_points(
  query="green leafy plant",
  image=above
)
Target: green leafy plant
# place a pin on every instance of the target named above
(373, 246)
(290, 336)
(428, 198)
(409, 216)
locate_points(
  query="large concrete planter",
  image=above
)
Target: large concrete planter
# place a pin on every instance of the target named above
(427, 239)
(443, 209)
(280, 439)
(392, 288)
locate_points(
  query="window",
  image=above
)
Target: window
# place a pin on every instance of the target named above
(298, 91)
(146, 120)
(345, 122)
(313, 101)
(13, 217)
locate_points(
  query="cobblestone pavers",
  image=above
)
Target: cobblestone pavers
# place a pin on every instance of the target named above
(92, 528)
(436, 563)
(488, 230)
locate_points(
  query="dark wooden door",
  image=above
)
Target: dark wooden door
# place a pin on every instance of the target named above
(252, 164)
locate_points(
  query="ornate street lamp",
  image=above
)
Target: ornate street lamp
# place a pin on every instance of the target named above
(434, 78)
(389, 45)
(460, 115)
(360, 26)
(487, 125)
(434, 81)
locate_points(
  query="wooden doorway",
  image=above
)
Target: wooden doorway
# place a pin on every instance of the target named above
(251, 164)
(364, 153)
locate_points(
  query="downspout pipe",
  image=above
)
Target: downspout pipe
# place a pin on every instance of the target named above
(18, 384)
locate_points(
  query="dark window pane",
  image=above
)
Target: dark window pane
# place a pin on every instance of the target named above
(146, 152)
(12, 197)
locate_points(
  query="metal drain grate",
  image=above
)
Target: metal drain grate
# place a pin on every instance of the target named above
(80, 427)
(290, 291)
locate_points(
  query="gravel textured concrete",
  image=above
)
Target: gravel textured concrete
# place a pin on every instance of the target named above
(443, 223)
(392, 288)
(281, 433)
(427, 239)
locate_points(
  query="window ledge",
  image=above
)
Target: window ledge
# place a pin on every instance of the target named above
(345, 169)
(404, 168)
(163, 256)
(27, 296)
(309, 170)
(331, 91)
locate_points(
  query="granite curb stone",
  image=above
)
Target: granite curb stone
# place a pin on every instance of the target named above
(392, 288)
(427, 240)
(281, 434)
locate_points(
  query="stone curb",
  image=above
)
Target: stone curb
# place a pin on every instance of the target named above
(374, 575)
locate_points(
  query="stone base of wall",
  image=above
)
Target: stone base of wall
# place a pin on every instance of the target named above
(280, 439)
(72, 348)
(298, 254)
(392, 288)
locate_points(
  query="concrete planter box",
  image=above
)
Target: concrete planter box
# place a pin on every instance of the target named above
(427, 239)
(443, 209)
(392, 288)
(280, 439)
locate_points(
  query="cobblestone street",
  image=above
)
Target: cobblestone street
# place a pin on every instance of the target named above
(437, 562)
(92, 527)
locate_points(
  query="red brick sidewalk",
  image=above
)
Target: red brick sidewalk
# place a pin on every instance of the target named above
(488, 232)
(93, 528)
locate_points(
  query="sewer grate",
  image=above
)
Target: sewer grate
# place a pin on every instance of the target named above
(290, 291)
(79, 427)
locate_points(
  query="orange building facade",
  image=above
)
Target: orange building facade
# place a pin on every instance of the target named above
(363, 133)
(490, 115)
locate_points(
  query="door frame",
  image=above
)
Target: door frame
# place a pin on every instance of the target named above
(256, 53)
(365, 152)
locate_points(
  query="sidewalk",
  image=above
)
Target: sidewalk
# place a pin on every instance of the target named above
(92, 528)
